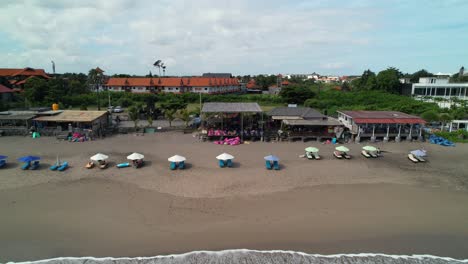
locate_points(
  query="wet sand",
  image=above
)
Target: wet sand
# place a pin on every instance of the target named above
(386, 205)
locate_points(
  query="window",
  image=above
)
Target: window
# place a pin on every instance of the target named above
(419, 91)
(206, 88)
(177, 88)
(454, 91)
(440, 91)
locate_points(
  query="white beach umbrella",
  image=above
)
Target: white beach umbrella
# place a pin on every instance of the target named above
(176, 158)
(135, 156)
(225, 156)
(99, 156)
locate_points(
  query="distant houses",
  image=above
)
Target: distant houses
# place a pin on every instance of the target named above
(18, 77)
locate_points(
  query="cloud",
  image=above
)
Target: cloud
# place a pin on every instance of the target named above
(191, 37)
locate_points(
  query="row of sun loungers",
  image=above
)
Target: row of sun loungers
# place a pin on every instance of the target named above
(177, 165)
(312, 155)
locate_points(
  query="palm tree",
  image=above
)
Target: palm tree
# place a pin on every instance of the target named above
(133, 113)
(184, 115)
(169, 114)
(444, 118)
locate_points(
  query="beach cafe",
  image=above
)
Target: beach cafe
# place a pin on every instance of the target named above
(232, 120)
(73, 121)
(382, 124)
(302, 123)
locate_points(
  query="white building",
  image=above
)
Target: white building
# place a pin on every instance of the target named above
(436, 89)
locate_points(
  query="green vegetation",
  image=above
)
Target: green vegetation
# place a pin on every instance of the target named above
(459, 136)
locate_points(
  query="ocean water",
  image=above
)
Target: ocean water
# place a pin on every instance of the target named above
(256, 257)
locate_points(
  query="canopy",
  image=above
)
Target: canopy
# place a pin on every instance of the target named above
(271, 158)
(342, 148)
(419, 152)
(225, 156)
(176, 158)
(369, 148)
(136, 156)
(99, 156)
(29, 158)
(3, 157)
(312, 149)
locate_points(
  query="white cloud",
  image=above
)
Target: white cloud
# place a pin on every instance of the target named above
(190, 36)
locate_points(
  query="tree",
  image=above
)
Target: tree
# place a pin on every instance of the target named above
(173, 103)
(389, 80)
(149, 118)
(169, 114)
(133, 113)
(76, 87)
(296, 94)
(365, 82)
(444, 118)
(35, 90)
(345, 87)
(184, 115)
(95, 78)
(430, 116)
(414, 78)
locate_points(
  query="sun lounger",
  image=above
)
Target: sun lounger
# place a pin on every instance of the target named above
(365, 154)
(268, 165)
(373, 154)
(2, 163)
(26, 166)
(89, 165)
(229, 163)
(337, 154)
(412, 158)
(419, 158)
(276, 165)
(63, 167)
(181, 165)
(123, 165)
(55, 166)
(221, 163)
(346, 155)
(316, 155)
(309, 155)
(173, 166)
(34, 165)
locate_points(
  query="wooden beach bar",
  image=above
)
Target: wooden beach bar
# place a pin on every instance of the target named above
(382, 124)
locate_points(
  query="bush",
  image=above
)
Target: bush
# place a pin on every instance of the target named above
(459, 136)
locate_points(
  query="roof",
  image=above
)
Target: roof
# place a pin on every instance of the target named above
(16, 117)
(314, 122)
(231, 108)
(73, 116)
(173, 81)
(304, 112)
(4, 89)
(383, 117)
(6, 72)
(217, 75)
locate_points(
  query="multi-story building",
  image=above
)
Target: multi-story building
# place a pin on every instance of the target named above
(433, 89)
(175, 85)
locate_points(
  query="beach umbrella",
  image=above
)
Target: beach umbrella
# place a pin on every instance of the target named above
(136, 156)
(342, 149)
(3, 157)
(225, 156)
(29, 158)
(271, 158)
(176, 158)
(99, 156)
(419, 152)
(369, 148)
(312, 149)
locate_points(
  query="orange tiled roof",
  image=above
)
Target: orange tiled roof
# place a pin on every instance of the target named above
(172, 82)
(4, 89)
(23, 72)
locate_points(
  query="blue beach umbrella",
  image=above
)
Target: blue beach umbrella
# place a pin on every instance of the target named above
(29, 158)
(271, 158)
(3, 157)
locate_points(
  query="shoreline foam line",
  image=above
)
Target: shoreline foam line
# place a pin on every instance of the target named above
(234, 251)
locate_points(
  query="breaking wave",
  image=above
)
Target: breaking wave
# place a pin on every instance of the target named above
(245, 256)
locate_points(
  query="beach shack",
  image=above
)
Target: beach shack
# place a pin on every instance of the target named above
(72, 121)
(230, 120)
(15, 123)
(303, 123)
(382, 124)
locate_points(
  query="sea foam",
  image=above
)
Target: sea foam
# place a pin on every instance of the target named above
(246, 256)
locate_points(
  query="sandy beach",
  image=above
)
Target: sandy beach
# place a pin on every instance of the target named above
(386, 205)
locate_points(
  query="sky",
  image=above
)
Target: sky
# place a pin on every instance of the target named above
(335, 37)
